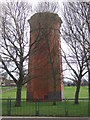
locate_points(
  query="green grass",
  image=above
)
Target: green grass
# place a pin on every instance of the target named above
(46, 108)
(12, 93)
(69, 92)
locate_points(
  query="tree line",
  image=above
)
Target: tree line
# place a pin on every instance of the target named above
(16, 49)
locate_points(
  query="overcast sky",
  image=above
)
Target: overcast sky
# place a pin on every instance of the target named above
(35, 2)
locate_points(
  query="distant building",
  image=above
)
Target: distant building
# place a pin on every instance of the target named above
(1, 81)
(6, 82)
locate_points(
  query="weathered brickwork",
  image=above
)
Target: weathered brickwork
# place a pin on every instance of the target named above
(45, 60)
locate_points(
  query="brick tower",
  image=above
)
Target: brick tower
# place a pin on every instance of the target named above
(45, 60)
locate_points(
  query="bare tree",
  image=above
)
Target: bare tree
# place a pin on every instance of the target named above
(15, 48)
(54, 56)
(75, 32)
(46, 6)
(52, 7)
(14, 43)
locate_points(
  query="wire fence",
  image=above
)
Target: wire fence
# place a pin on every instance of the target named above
(37, 108)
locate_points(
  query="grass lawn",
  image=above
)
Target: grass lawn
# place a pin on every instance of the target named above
(12, 93)
(69, 92)
(46, 108)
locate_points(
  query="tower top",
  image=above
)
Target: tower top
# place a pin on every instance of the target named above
(44, 20)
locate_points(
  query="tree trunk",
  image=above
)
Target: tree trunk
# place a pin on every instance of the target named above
(77, 92)
(60, 89)
(53, 72)
(54, 97)
(18, 96)
(60, 95)
(89, 83)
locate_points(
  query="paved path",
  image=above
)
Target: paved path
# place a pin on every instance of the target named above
(8, 89)
(45, 118)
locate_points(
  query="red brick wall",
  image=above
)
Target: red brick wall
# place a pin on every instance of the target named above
(41, 83)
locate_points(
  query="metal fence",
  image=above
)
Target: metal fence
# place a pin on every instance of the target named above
(37, 108)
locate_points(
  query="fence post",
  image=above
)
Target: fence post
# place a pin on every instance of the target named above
(9, 106)
(89, 107)
(37, 107)
(66, 108)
